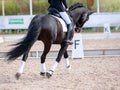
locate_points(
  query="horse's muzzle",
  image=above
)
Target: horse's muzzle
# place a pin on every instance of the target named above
(77, 29)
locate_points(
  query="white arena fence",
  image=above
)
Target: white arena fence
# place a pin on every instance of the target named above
(96, 20)
(99, 20)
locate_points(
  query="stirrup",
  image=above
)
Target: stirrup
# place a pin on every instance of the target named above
(68, 42)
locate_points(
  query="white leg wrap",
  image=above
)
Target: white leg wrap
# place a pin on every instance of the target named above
(21, 66)
(66, 61)
(67, 64)
(43, 67)
(53, 67)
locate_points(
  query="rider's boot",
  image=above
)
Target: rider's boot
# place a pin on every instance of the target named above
(67, 40)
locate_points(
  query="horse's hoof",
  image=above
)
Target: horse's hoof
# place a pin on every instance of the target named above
(17, 75)
(42, 73)
(69, 68)
(48, 75)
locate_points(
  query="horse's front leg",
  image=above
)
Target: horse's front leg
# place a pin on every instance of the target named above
(66, 61)
(55, 63)
(21, 66)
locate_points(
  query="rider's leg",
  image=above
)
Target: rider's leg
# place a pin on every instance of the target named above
(67, 40)
(66, 18)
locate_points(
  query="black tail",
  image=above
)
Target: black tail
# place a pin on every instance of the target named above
(26, 44)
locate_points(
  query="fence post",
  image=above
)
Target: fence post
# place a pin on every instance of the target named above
(30, 3)
(3, 8)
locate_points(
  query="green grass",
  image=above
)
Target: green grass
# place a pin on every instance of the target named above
(11, 7)
(98, 29)
(110, 5)
(84, 30)
(3, 32)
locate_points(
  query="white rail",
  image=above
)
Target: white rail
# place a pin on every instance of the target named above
(95, 20)
(87, 53)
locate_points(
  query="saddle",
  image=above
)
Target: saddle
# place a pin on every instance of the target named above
(54, 13)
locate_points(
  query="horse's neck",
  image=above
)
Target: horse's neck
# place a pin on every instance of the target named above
(76, 14)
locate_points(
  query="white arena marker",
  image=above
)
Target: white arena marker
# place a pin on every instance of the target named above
(1, 40)
(77, 48)
(107, 30)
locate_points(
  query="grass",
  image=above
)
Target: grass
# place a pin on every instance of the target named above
(3, 32)
(98, 29)
(110, 5)
(84, 30)
(11, 7)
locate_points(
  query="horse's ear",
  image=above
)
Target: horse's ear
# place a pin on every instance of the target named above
(90, 12)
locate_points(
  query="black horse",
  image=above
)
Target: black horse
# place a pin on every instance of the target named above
(49, 30)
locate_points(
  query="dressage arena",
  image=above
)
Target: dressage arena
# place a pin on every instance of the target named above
(98, 73)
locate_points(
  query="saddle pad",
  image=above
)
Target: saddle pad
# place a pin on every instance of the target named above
(64, 26)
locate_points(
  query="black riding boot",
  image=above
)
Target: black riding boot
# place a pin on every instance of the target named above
(67, 40)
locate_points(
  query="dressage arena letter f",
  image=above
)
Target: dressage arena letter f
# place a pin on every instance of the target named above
(77, 48)
(76, 43)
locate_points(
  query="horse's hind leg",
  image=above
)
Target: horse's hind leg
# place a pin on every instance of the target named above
(47, 47)
(21, 65)
(66, 61)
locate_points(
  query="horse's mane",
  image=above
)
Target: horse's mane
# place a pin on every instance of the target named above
(76, 6)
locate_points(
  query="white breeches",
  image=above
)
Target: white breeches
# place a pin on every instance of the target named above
(66, 18)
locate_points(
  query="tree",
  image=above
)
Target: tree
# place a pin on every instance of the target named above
(90, 3)
(22, 6)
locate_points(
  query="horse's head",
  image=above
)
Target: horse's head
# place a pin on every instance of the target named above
(80, 14)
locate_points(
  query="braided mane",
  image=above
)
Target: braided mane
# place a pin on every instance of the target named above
(76, 6)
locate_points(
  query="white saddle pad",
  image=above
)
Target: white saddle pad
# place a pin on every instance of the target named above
(62, 23)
